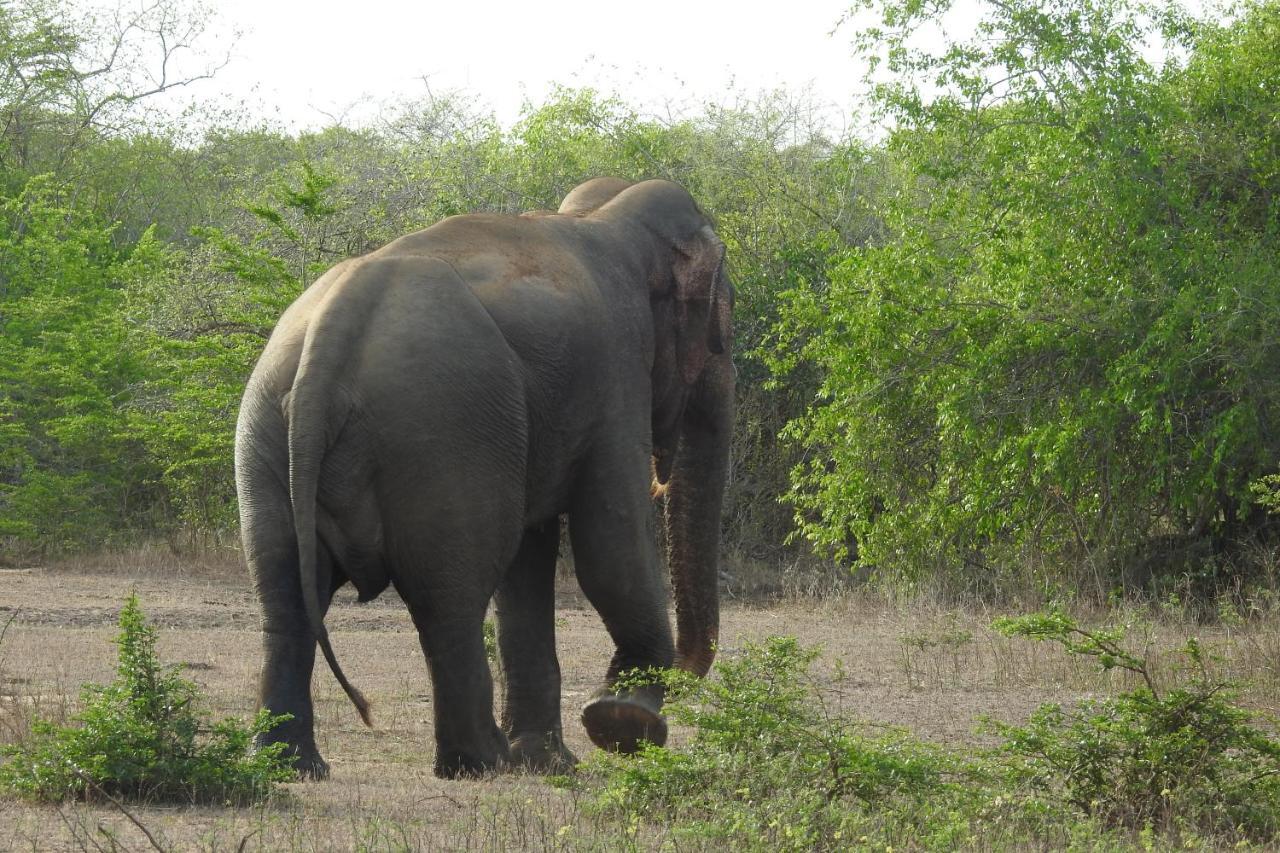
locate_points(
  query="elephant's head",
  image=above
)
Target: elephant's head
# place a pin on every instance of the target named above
(691, 298)
(590, 195)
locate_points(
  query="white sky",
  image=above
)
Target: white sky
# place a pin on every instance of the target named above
(295, 62)
(309, 63)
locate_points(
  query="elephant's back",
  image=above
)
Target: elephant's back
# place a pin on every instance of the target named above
(423, 365)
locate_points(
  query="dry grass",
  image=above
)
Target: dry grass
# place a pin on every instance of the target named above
(930, 669)
(212, 558)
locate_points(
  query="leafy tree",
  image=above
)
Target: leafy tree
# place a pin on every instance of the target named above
(70, 78)
(73, 469)
(168, 256)
(304, 203)
(1062, 352)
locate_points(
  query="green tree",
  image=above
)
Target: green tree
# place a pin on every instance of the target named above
(73, 468)
(1062, 352)
(71, 77)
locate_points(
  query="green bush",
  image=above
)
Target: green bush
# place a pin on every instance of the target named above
(143, 737)
(770, 766)
(1185, 758)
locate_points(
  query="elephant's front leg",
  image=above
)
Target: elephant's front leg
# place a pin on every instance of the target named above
(616, 560)
(527, 645)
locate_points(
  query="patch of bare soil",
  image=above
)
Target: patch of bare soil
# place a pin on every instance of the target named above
(932, 672)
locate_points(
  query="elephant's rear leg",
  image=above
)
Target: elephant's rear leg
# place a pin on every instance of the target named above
(289, 647)
(450, 623)
(271, 551)
(468, 740)
(447, 585)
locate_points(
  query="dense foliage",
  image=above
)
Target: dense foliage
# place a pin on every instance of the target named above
(1025, 338)
(142, 267)
(1064, 351)
(144, 737)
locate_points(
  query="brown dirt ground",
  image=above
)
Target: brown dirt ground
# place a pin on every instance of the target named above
(932, 671)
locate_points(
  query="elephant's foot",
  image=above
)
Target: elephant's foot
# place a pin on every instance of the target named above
(619, 723)
(306, 759)
(542, 752)
(459, 764)
(453, 762)
(311, 767)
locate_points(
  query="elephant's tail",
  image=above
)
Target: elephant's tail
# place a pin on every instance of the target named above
(308, 419)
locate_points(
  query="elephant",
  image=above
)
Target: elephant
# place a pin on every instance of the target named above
(425, 415)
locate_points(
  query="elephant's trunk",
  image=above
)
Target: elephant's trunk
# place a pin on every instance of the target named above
(694, 497)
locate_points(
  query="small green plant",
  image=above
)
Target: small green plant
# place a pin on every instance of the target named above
(1184, 758)
(143, 737)
(767, 765)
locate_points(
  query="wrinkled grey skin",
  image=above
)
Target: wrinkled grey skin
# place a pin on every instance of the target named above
(423, 416)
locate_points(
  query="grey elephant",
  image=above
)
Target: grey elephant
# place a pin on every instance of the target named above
(424, 415)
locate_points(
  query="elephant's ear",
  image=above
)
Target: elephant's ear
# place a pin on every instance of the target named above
(704, 302)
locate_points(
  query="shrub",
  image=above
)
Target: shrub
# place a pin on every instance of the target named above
(1184, 758)
(770, 766)
(143, 737)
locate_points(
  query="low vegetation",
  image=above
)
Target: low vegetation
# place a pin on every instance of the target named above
(1181, 757)
(144, 738)
(1098, 737)
(771, 765)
